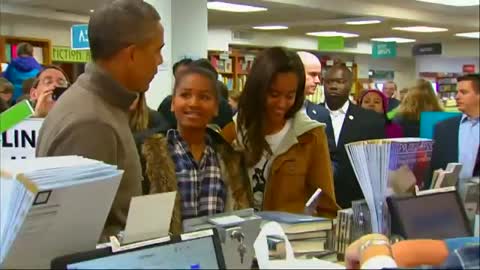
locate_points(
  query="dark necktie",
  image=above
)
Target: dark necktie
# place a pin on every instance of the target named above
(476, 169)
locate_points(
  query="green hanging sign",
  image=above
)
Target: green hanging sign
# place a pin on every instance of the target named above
(331, 43)
(67, 55)
(384, 49)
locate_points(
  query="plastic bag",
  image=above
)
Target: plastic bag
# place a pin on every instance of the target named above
(290, 262)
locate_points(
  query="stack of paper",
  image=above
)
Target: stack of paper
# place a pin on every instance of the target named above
(52, 206)
(386, 166)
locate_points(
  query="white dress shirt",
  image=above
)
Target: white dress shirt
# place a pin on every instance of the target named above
(338, 117)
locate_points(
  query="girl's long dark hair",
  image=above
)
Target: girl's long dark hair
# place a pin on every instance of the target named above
(252, 104)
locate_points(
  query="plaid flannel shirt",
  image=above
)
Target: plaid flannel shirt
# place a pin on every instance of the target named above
(200, 184)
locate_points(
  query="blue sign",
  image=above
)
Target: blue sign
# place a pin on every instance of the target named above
(79, 37)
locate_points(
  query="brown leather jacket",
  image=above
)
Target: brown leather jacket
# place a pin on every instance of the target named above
(160, 170)
(301, 165)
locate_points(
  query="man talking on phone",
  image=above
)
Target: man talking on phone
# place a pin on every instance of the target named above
(49, 84)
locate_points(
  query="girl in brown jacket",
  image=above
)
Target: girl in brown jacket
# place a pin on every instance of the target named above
(286, 152)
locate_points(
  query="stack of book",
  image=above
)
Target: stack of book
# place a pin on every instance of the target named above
(51, 207)
(308, 235)
(343, 230)
(446, 178)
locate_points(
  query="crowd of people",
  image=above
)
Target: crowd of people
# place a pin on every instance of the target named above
(265, 147)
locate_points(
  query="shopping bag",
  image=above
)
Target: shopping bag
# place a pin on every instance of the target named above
(290, 262)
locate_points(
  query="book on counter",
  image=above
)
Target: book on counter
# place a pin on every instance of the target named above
(308, 235)
(52, 206)
(386, 167)
(297, 223)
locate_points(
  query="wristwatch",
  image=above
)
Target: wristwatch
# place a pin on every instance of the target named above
(376, 242)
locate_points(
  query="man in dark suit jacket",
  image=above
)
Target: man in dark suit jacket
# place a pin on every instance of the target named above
(318, 113)
(350, 124)
(457, 138)
(444, 153)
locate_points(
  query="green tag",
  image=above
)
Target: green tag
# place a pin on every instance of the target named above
(331, 43)
(15, 115)
(65, 54)
(384, 49)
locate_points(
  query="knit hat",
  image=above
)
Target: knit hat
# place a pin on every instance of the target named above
(382, 95)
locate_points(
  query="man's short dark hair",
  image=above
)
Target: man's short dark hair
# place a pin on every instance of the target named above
(120, 24)
(25, 49)
(184, 61)
(342, 66)
(474, 78)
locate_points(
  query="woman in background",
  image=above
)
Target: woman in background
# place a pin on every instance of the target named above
(377, 101)
(420, 98)
(286, 152)
(194, 159)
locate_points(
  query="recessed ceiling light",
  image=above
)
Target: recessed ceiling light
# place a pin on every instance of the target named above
(456, 3)
(363, 22)
(469, 35)
(421, 29)
(332, 34)
(229, 7)
(270, 27)
(92, 10)
(394, 39)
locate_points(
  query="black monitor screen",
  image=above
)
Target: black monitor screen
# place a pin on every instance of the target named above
(434, 216)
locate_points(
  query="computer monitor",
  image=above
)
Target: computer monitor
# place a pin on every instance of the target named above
(432, 216)
(202, 252)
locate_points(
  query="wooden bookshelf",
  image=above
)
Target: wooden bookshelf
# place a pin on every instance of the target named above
(44, 44)
(241, 58)
(232, 67)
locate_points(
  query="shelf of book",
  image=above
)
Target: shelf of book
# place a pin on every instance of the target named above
(232, 67)
(42, 48)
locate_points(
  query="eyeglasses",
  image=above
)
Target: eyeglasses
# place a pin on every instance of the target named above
(50, 81)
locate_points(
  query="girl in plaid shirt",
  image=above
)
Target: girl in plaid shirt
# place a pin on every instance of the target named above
(193, 159)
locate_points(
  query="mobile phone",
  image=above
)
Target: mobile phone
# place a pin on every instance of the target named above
(58, 91)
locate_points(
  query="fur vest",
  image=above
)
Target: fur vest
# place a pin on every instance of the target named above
(160, 170)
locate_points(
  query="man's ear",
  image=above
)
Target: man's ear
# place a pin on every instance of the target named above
(129, 53)
(33, 94)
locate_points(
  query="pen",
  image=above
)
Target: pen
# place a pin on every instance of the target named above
(311, 204)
